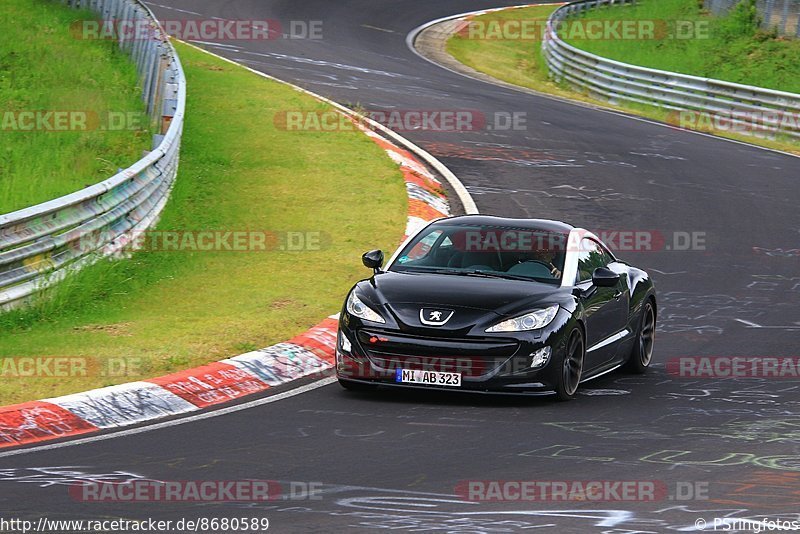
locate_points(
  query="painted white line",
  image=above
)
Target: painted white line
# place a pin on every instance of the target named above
(322, 63)
(412, 36)
(377, 28)
(463, 195)
(219, 45)
(176, 422)
(174, 9)
(667, 273)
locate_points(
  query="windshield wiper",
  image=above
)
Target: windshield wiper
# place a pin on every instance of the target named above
(505, 276)
(482, 274)
(479, 273)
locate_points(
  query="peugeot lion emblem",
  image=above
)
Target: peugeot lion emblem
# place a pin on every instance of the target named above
(434, 317)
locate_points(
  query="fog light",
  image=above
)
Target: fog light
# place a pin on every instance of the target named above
(344, 343)
(540, 357)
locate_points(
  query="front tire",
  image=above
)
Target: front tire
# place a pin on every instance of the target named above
(642, 351)
(569, 376)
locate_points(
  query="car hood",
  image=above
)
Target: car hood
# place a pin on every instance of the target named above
(405, 294)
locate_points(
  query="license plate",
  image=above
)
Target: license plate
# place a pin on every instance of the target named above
(428, 378)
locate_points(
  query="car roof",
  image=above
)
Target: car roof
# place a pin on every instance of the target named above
(491, 220)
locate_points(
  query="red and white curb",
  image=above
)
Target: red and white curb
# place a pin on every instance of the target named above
(311, 353)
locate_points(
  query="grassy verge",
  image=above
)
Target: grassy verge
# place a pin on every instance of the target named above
(163, 311)
(516, 61)
(45, 67)
(730, 48)
(520, 61)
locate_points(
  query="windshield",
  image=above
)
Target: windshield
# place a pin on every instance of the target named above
(489, 251)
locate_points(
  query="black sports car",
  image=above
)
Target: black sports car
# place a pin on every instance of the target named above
(494, 304)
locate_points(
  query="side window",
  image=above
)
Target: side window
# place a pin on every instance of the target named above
(590, 257)
(423, 247)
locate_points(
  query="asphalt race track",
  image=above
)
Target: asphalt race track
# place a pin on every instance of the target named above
(393, 460)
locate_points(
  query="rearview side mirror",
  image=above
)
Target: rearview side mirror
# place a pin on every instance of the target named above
(604, 277)
(373, 260)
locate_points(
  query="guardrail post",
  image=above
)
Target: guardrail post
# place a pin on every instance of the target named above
(170, 104)
(797, 22)
(128, 18)
(158, 95)
(768, 13)
(137, 41)
(150, 60)
(785, 17)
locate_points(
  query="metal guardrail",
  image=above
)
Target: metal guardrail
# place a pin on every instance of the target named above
(783, 15)
(42, 244)
(614, 81)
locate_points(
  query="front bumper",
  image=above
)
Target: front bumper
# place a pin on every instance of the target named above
(366, 354)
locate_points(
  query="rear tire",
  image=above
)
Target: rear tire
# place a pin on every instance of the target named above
(569, 376)
(642, 351)
(356, 386)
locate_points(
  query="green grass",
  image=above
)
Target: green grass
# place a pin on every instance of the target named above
(171, 310)
(45, 67)
(517, 61)
(520, 61)
(730, 48)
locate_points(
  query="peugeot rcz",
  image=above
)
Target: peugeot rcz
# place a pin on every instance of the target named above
(492, 304)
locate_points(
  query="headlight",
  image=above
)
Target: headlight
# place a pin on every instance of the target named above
(361, 310)
(529, 321)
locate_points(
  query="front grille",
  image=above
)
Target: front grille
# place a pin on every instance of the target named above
(472, 367)
(470, 357)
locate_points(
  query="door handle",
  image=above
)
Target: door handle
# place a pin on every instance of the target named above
(617, 295)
